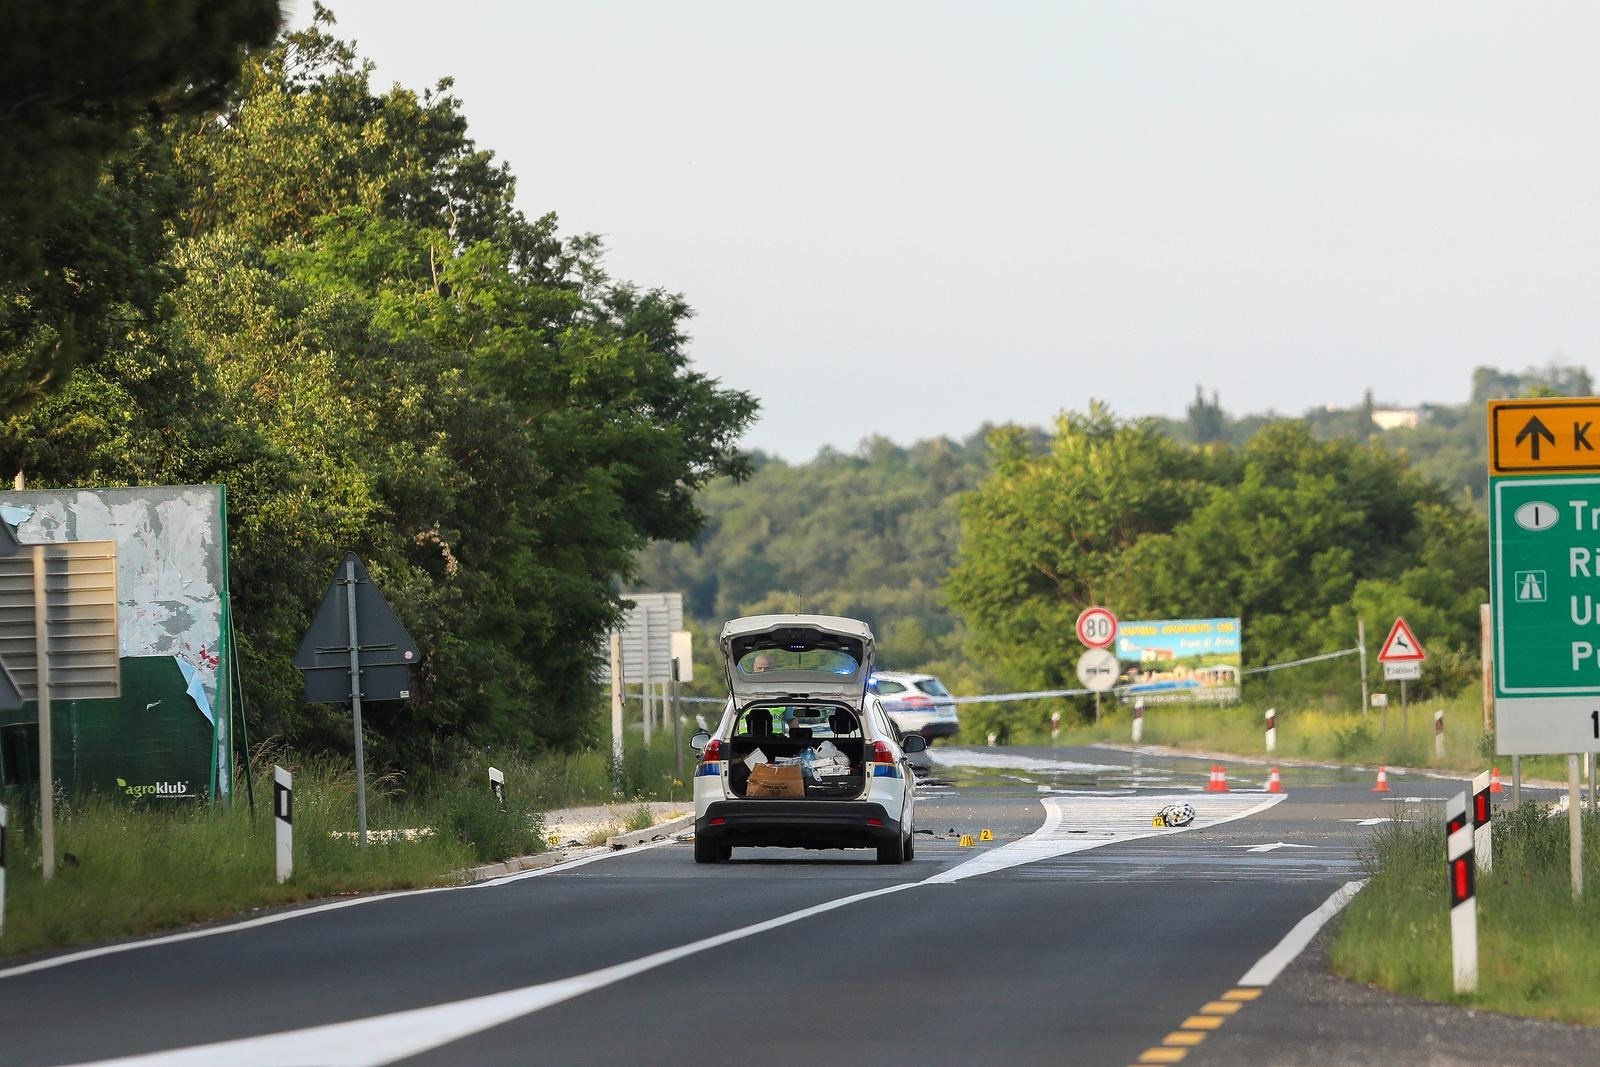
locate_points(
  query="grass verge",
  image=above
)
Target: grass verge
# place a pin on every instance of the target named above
(126, 870)
(1538, 950)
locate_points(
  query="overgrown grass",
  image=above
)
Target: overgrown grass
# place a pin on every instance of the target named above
(1320, 734)
(129, 869)
(1538, 950)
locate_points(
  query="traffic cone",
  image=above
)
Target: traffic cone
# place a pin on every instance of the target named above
(1219, 779)
(1274, 783)
(1494, 781)
(1383, 781)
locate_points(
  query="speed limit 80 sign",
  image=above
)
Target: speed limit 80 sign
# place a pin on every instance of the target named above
(1097, 627)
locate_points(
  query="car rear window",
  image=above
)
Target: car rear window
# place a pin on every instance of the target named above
(933, 687)
(883, 685)
(824, 660)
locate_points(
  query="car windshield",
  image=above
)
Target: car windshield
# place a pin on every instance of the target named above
(933, 687)
(820, 660)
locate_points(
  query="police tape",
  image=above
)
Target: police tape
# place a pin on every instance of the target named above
(1045, 694)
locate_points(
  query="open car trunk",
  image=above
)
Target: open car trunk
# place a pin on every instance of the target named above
(810, 751)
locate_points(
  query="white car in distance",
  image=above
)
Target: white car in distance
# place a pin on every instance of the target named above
(799, 703)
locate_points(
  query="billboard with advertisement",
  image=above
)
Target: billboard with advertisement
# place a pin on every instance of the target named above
(1187, 661)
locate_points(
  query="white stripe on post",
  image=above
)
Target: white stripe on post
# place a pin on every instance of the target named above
(1272, 729)
(283, 817)
(497, 786)
(1482, 813)
(1438, 734)
(1138, 720)
(1459, 870)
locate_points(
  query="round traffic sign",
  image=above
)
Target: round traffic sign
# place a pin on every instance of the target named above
(1098, 669)
(1097, 627)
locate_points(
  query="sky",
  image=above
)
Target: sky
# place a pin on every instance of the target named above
(912, 219)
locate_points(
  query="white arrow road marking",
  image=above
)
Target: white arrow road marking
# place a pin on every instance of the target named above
(385, 1039)
(1366, 822)
(1269, 848)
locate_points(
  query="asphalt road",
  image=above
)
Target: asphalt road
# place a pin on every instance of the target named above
(1079, 935)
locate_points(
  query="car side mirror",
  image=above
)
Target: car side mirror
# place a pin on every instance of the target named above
(915, 743)
(699, 741)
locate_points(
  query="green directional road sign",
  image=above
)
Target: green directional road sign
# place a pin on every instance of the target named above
(1544, 535)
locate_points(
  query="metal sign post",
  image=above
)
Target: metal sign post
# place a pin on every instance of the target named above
(338, 667)
(47, 774)
(2, 868)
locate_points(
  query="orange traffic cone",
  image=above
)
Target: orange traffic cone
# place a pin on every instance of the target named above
(1494, 781)
(1274, 783)
(1219, 779)
(1383, 781)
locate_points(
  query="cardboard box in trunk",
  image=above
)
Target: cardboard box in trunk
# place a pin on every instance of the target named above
(767, 780)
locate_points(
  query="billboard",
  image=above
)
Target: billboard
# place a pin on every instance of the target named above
(167, 736)
(1180, 661)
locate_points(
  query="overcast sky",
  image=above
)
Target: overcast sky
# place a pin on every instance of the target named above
(913, 218)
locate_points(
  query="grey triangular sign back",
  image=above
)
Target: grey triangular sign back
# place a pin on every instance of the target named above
(386, 651)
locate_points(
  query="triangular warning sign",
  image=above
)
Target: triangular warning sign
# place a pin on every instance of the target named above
(1401, 646)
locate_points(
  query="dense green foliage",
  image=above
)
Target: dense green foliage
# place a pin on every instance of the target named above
(1296, 536)
(375, 351)
(81, 202)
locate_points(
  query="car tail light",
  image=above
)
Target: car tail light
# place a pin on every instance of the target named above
(916, 702)
(884, 765)
(874, 822)
(713, 751)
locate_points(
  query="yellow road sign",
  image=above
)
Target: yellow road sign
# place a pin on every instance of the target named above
(1544, 435)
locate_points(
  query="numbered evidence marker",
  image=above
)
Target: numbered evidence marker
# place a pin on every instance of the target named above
(283, 820)
(1097, 627)
(1545, 588)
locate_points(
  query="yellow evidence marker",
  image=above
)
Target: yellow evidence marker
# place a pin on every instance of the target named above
(985, 835)
(966, 840)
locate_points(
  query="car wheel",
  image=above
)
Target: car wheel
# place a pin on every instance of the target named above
(893, 852)
(711, 851)
(911, 845)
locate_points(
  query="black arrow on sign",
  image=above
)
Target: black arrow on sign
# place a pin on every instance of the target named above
(1535, 430)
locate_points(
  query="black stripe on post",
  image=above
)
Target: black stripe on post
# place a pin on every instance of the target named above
(283, 802)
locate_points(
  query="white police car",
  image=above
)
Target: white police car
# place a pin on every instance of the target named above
(803, 757)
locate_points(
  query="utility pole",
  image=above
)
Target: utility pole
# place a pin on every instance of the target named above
(1361, 643)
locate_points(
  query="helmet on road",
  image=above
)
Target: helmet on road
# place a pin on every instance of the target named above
(1181, 814)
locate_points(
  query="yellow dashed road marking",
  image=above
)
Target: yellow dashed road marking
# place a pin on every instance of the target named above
(1163, 1055)
(1189, 1038)
(1202, 1022)
(1220, 1007)
(1241, 994)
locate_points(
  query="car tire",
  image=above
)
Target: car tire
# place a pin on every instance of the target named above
(711, 851)
(910, 849)
(892, 852)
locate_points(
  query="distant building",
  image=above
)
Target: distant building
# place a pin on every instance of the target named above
(1396, 418)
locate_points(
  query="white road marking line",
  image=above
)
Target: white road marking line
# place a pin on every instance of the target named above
(1117, 819)
(1366, 822)
(383, 1039)
(400, 1035)
(1268, 967)
(301, 913)
(1270, 848)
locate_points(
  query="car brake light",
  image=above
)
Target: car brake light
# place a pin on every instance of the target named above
(713, 751)
(874, 822)
(881, 753)
(917, 702)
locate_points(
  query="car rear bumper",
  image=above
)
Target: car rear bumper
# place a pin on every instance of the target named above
(798, 823)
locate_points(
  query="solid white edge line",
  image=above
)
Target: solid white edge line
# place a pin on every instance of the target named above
(1271, 965)
(301, 913)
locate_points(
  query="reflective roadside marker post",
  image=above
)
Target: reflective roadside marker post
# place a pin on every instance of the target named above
(1463, 900)
(497, 786)
(1482, 838)
(1272, 729)
(1438, 734)
(283, 821)
(1138, 720)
